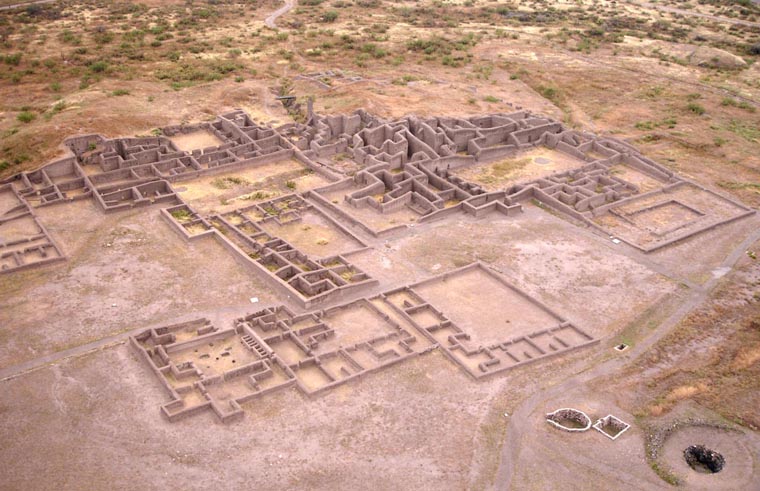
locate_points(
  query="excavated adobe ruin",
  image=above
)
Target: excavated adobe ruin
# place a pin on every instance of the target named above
(384, 176)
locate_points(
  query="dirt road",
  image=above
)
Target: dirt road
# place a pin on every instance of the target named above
(24, 4)
(269, 21)
(519, 419)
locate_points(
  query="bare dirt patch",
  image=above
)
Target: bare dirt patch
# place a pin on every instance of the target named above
(195, 140)
(226, 191)
(526, 166)
(314, 234)
(485, 308)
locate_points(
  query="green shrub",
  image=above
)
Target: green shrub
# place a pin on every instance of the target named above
(197, 72)
(728, 101)
(330, 16)
(58, 107)
(695, 108)
(102, 37)
(98, 66)
(182, 215)
(374, 50)
(13, 59)
(551, 93)
(26, 116)
(404, 80)
(69, 37)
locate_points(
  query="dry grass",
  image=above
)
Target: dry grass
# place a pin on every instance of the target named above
(712, 357)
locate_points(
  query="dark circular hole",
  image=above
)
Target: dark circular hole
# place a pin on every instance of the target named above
(704, 460)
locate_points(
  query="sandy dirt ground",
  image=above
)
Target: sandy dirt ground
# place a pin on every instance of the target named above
(125, 271)
(109, 396)
(196, 140)
(526, 166)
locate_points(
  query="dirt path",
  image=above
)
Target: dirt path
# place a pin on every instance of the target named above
(689, 13)
(519, 419)
(24, 4)
(269, 21)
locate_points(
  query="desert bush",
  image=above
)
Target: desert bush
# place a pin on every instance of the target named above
(329, 16)
(13, 59)
(99, 66)
(374, 50)
(26, 116)
(696, 108)
(68, 37)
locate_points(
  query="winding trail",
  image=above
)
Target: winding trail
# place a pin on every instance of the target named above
(269, 21)
(519, 419)
(24, 4)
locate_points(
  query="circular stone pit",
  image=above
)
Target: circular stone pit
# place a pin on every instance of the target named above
(740, 470)
(569, 419)
(704, 460)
